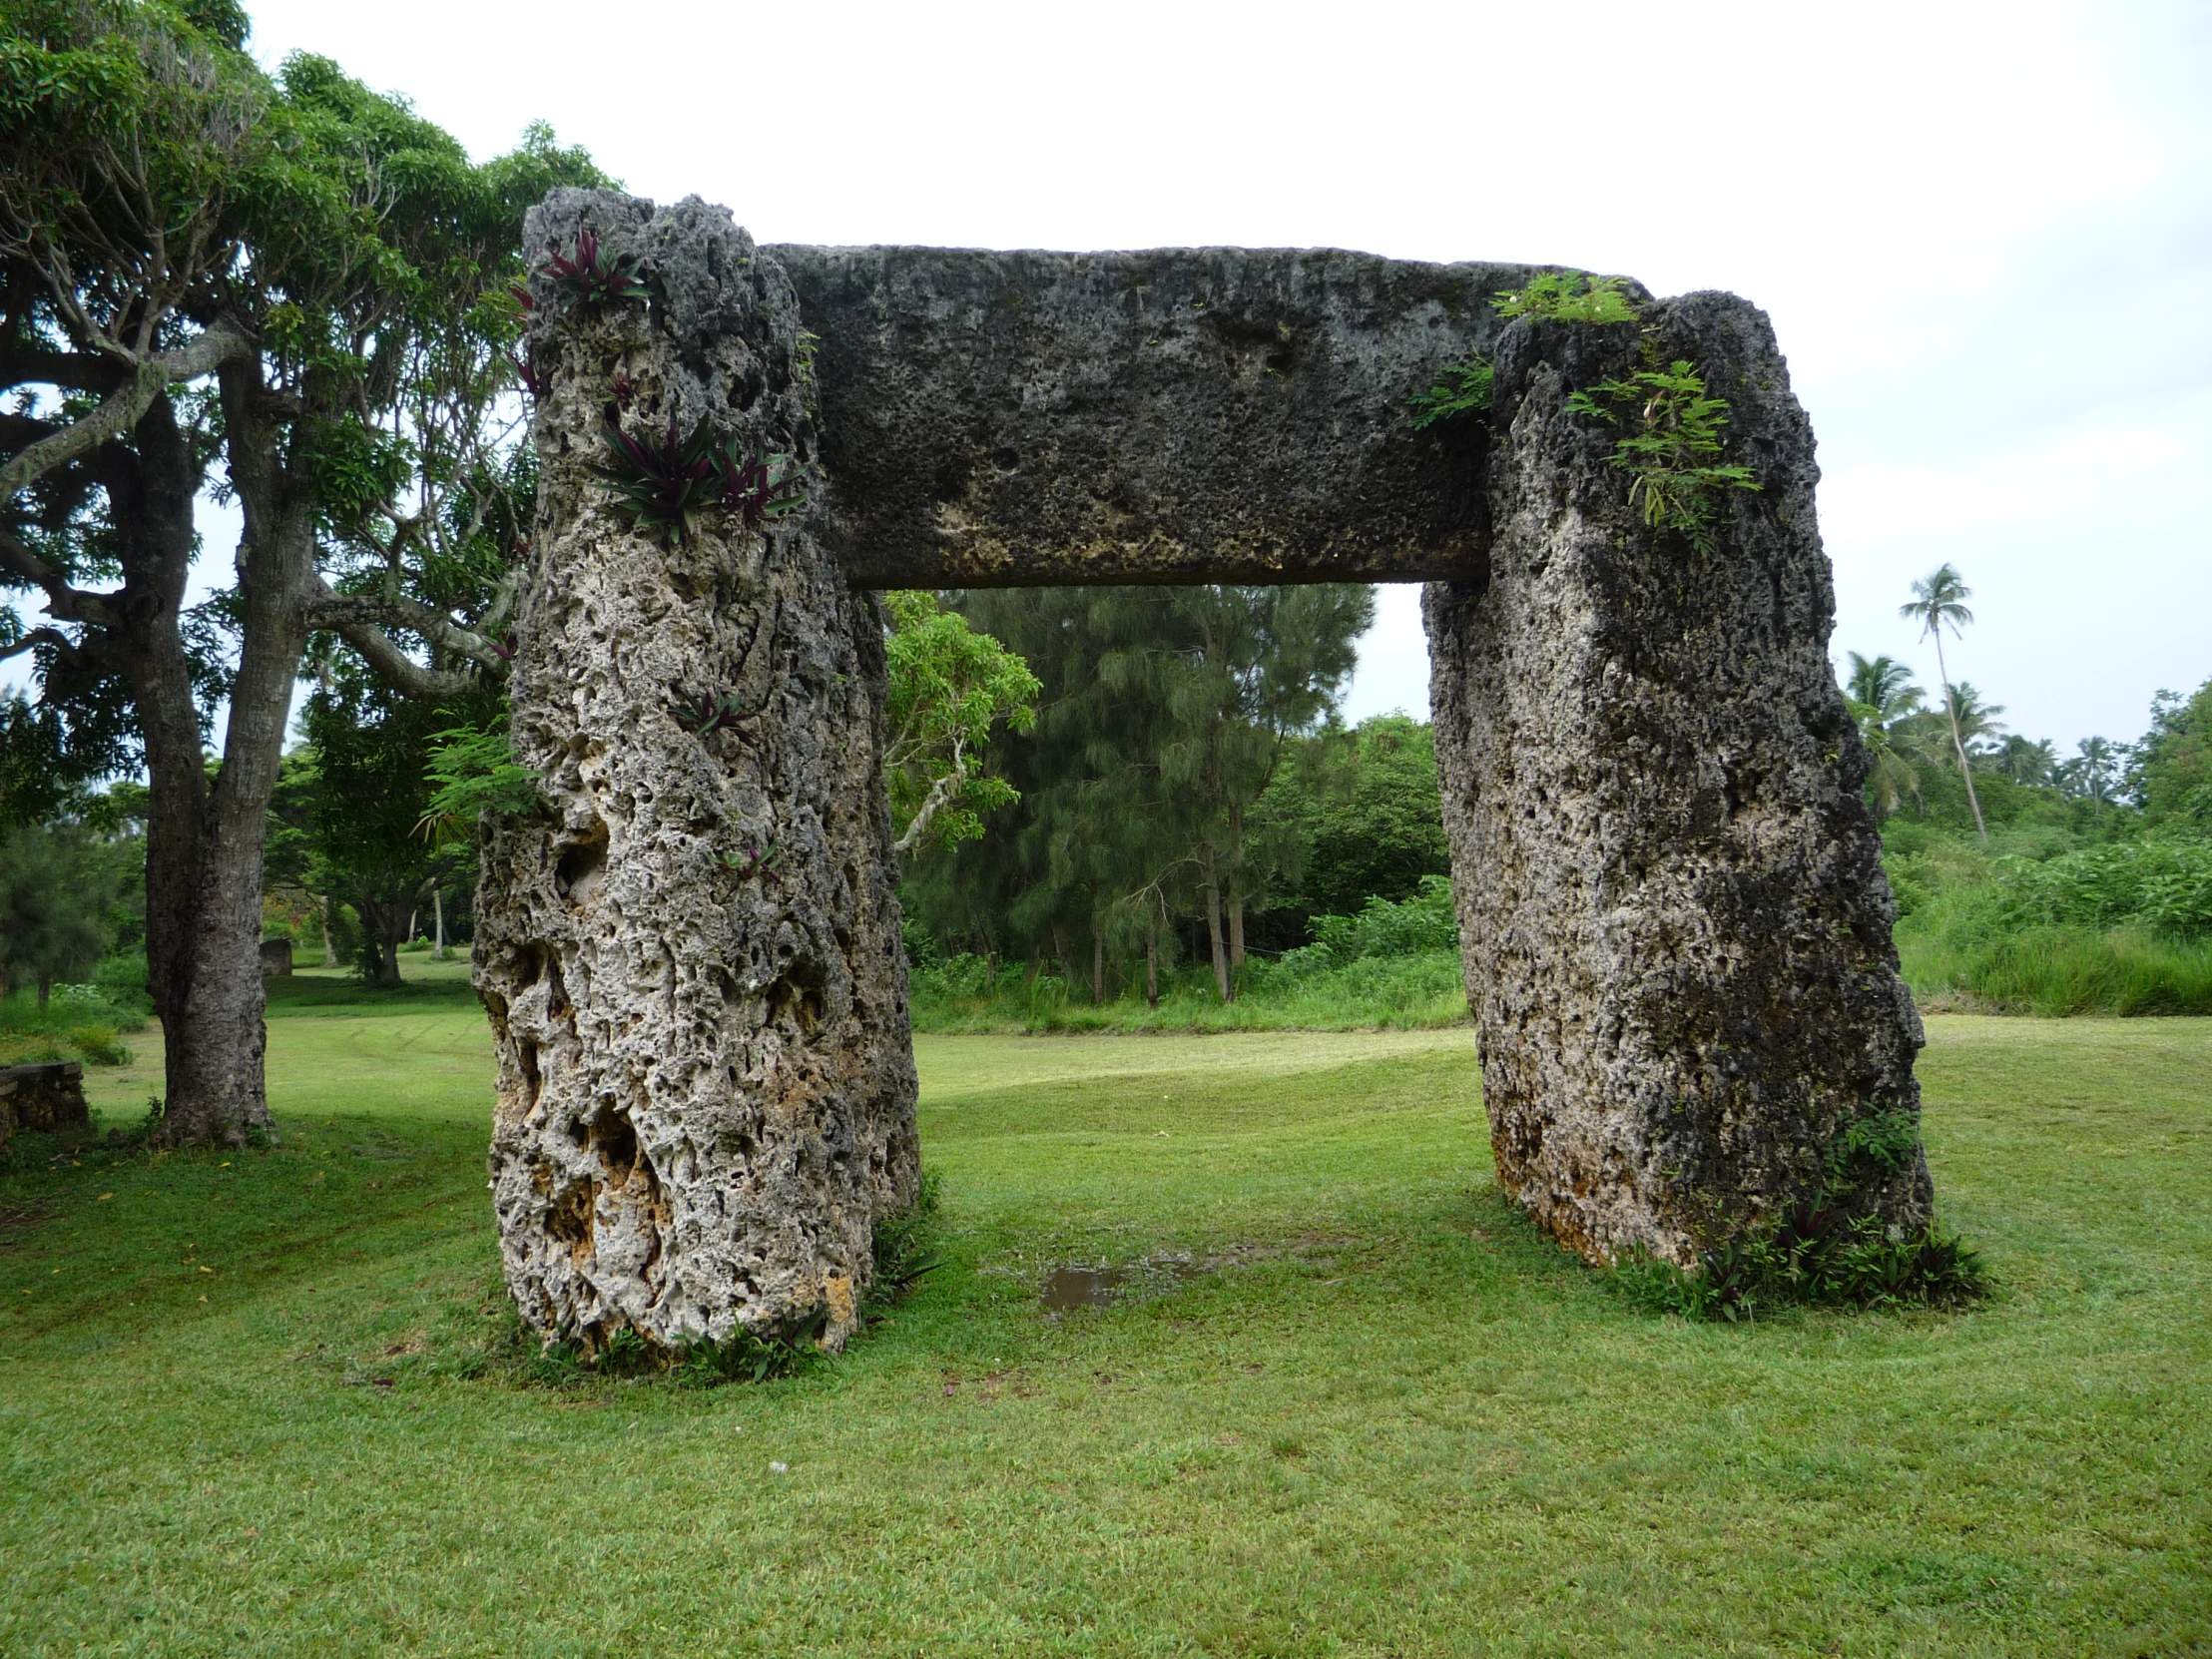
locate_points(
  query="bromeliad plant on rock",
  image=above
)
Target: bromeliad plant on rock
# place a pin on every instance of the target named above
(661, 482)
(709, 714)
(589, 279)
(757, 489)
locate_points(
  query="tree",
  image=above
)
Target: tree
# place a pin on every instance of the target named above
(1241, 671)
(1055, 871)
(54, 903)
(2170, 772)
(1975, 724)
(366, 834)
(1365, 805)
(949, 686)
(1882, 696)
(1939, 600)
(2027, 762)
(2095, 767)
(338, 267)
(1163, 717)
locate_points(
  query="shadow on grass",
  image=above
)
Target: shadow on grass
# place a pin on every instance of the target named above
(333, 994)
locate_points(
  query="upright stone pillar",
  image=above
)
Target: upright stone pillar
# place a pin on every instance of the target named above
(691, 955)
(1676, 928)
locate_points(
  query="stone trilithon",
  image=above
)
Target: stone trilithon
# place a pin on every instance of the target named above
(1676, 930)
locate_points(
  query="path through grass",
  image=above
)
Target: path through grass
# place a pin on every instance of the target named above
(1394, 1421)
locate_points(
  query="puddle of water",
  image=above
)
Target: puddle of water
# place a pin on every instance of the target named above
(1080, 1286)
(1076, 1286)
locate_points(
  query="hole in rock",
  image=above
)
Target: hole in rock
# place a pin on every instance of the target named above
(615, 1139)
(526, 1058)
(799, 1005)
(569, 1221)
(578, 869)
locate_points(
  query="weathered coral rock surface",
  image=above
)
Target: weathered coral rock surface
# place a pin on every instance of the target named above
(690, 957)
(1676, 930)
(1216, 414)
(1675, 924)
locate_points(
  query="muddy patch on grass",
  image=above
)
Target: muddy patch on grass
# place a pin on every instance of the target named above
(1077, 1286)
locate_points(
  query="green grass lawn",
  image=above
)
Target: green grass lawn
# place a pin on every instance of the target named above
(1394, 1422)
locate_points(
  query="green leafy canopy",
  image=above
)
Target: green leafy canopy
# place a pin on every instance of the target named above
(949, 686)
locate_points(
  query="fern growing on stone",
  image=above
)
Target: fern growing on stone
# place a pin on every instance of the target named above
(1669, 445)
(1569, 296)
(1461, 390)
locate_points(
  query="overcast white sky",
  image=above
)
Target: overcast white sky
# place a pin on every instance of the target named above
(1983, 231)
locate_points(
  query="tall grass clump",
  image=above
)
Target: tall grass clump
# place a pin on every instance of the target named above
(2124, 928)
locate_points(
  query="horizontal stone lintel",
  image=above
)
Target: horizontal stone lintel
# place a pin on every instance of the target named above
(1012, 419)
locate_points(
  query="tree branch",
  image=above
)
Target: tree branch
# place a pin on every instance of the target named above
(63, 601)
(77, 371)
(123, 408)
(337, 611)
(941, 793)
(38, 637)
(353, 618)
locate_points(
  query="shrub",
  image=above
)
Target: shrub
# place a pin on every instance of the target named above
(1424, 922)
(98, 1045)
(2159, 884)
(1813, 1257)
(1570, 296)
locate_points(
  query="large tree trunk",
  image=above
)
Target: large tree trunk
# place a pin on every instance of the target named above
(691, 958)
(382, 931)
(1212, 886)
(215, 1038)
(203, 843)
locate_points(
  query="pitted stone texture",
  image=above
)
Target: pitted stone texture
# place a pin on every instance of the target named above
(1675, 924)
(706, 1086)
(1180, 415)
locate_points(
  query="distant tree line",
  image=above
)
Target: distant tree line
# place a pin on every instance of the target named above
(1184, 791)
(2025, 879)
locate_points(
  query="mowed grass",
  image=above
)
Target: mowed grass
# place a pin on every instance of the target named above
(1394, 1422)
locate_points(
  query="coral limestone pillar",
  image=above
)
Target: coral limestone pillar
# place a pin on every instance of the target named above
(1675, 924)
(691, 953)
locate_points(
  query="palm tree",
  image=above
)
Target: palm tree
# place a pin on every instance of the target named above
(1976, 723)
(2094, 770)
(1881, 694)
(2028, 763)
(1939, 598)
(1883, 685)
